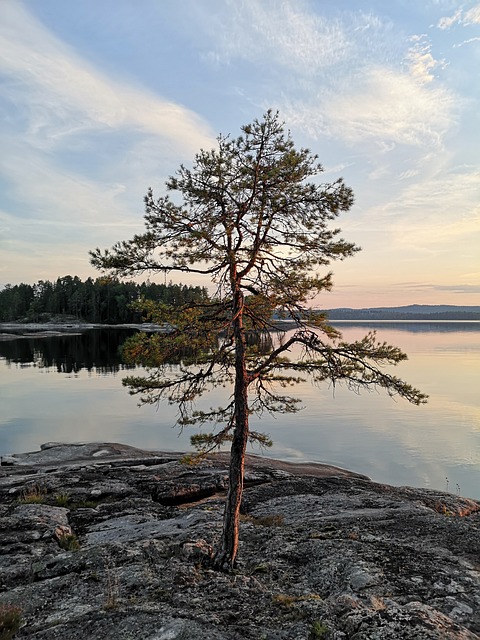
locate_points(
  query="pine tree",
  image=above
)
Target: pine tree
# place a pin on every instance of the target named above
(255, 220)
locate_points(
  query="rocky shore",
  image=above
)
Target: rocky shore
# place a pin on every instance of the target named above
(18, 330)
(106, 541)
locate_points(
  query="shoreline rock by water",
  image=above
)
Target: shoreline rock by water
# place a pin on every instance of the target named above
(19, 330)
(102, 540)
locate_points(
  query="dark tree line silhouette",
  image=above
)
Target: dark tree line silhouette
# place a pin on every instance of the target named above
(103, 300)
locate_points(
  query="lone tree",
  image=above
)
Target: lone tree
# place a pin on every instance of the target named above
(253, 221)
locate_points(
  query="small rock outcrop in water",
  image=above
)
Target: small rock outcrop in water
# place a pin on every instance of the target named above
(105, 541)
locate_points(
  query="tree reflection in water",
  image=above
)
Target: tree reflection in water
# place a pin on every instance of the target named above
(94, 350)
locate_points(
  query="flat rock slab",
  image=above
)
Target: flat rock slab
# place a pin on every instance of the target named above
(55, 453)
(102, 540)
(58, 453)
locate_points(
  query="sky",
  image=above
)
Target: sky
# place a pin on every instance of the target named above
(101, 100)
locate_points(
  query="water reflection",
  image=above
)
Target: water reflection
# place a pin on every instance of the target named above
(96, 349)
(390, 441)
(422, 326)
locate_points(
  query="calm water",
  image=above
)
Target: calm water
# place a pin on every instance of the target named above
(69, 389)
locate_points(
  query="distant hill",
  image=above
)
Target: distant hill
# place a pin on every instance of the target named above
(410, 312)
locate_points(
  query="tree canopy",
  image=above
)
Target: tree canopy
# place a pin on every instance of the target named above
(256, 220)
(103, 300)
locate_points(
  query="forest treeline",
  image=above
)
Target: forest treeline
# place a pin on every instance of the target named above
(103, 300)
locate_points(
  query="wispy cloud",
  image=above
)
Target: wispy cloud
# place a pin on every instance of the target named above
(472, 16)
(79, 149)
(290, 35)
(421, 61)
(447, 21)
(459, 288)
(347, 80)
(450, 214)
(383, 106)
(65, 95)
(461, 17)
(56, 194)
(283, 32)
(468, 41)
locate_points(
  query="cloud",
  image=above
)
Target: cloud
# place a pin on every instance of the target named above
(421, 61)
(294, 37)
(461, 17)
(53, 194)
(346, 76)
(65, 95)
(382, 106)
(447, 21)
(449, 220)
(469, 41)
(391, 106)
(472, 16)
(408, 174)
(79, 150)
(458, 288)
(282, 32)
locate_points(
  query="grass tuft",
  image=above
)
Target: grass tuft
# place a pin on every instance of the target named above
(264, 521)
(33, 494)
(318, 630)
(10, 620)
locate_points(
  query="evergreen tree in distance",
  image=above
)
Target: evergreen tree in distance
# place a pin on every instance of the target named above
(255, 222)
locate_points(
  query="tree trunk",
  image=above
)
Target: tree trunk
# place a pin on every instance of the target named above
(225, 557)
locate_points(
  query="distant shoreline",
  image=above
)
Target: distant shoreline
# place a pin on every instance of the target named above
(402, 321)
(14, 330)
(408, 313)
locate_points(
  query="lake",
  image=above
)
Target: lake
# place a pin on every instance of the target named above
(69, 389)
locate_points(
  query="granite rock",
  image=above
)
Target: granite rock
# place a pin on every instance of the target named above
(108, 541)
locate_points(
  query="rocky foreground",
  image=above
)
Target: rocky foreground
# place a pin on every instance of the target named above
(107, 541)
